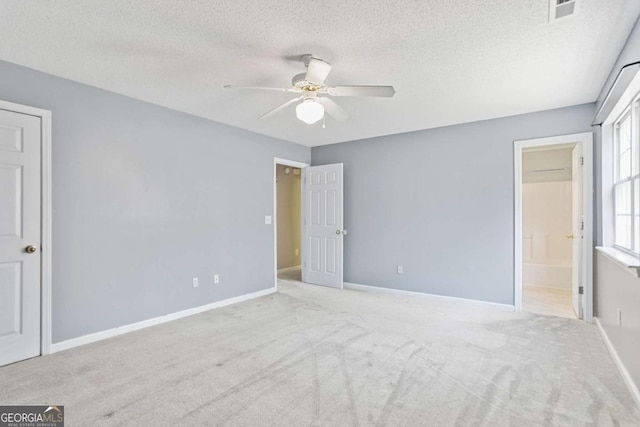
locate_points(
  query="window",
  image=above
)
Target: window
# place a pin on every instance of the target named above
(626, 181)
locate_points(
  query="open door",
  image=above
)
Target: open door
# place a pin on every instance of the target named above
(577, 231)
(20, 236)
(322, 228)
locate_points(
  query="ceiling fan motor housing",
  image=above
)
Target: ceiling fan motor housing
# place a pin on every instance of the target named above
(299, 80)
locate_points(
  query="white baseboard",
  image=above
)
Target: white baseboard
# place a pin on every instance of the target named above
(633, 387)
(295, 267)
(98, 336)
(367, 288)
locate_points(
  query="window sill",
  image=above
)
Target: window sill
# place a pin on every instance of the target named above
(621, 258)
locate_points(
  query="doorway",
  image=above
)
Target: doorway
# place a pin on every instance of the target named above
(553, 226)
(288, 222)
(309, 223)
(547, 230)
(287, 212)
(25, 232)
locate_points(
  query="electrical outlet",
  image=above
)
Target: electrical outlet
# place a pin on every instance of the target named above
(400, 269)
(267, 219)
(216, 278)
(619, 317)
(297, 252)
(195, 282)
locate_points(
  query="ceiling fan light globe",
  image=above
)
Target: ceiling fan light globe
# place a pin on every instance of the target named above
(310, 111)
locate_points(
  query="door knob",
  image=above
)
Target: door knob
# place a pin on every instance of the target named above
(338, 232)
(30, 249)
(570, 236)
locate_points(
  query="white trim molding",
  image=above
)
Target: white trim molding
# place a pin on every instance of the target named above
(378, 289)
(278, 161)
(628, 380)
(109, 333)
(586, 139)
(45, 225)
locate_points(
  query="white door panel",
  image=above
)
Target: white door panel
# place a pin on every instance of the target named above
(323, 225)
(577, 231)
(20, 210)
(11, 194)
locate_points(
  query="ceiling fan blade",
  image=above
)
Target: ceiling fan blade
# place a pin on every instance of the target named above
(276, 89)
(381, 91)
(334, 110)
(281, 107)
(317, 71)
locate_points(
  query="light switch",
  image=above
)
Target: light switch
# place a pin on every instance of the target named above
(267, 219)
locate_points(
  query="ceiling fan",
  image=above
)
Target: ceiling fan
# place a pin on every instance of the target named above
(314, 99)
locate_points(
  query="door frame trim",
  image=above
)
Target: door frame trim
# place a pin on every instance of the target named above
(586, 139)
(45, 224)
(278, 161)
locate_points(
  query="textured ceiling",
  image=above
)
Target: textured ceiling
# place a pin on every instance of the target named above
(450, 62)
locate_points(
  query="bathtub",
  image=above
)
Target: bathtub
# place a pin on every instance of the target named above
(551, 274)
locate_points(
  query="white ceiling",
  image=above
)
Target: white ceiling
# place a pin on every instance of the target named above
(450, 62)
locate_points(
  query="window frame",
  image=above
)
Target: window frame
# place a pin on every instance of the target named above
(632, 112)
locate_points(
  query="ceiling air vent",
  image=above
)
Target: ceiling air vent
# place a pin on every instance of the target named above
(561, 8)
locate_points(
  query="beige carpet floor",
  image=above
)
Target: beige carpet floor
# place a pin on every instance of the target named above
(548, 301)
(291, 275)
(313, 356)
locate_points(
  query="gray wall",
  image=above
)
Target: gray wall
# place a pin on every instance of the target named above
(619, 288)
(145, 198)
(629, 53)
(615, 287)
(440, 203)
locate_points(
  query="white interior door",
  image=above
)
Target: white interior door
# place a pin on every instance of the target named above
(578, 230)
(20, 233)
(322, 228)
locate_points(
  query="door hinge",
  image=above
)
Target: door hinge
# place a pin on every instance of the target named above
(581, 290)
(581, 225)
(581, 161)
